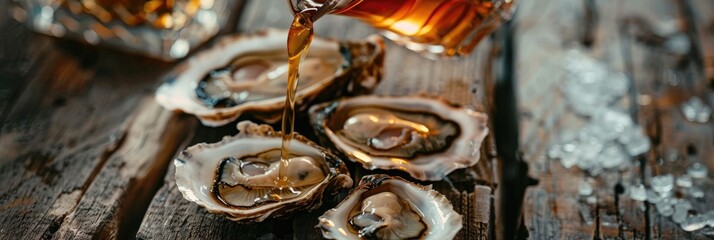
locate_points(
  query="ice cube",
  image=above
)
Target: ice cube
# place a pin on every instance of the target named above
(696, 111)
(634, 140)
(589, 151)
(638, 192)
(614, 119)
(662, 183)
(584, 100)
(664, 208)
(590, 84)
(568, 159)
(681, 211)
(616, 85)
(587, 164)
(698, 170)
(591, 200)
(585, 189)
(683, 205)
(696, 192)
(569, 147)
(654, 197)
(694, 223)
(684, 181)
(581, 100)
(597, 132)
(554, 152)
(581, 67)
(612, 157)
(679, 216)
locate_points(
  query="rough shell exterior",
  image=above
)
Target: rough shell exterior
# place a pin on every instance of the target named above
(196, 167)
(360, 73)
(442, 221)
(463, 152)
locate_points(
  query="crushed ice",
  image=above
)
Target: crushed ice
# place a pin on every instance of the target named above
(610, 139)
(695, 110)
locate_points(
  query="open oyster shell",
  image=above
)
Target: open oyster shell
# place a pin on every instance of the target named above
(248, 74)
(234, 177)
(425, 137)
(384, 207)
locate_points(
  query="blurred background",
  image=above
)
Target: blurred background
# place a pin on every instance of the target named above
(614, 113)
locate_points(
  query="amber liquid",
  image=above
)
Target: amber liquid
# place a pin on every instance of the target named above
(453, 27)
(159, 13)
(448, 23)
(299, 39)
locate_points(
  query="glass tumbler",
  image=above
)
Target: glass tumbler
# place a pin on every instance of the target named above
(164, 29)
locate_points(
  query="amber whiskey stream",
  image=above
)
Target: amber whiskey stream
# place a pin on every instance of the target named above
(299, 39)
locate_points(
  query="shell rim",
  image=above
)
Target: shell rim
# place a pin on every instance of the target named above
(173, 97)
(433, 170)
(337, 175)
(370, 182)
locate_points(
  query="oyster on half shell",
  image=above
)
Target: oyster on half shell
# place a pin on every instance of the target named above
(425, 137)
(384, 207)
(236, 176)
(248, 74)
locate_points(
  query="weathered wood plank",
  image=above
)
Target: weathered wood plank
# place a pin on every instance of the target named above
(693, 141)
(13, 64)
(120, 192)
(113, 205)
(406, 73)
(89, 182)
(704, 18)
(554, 208)
(61, 125)
(657, 70)
(618, 216)
(74, 161)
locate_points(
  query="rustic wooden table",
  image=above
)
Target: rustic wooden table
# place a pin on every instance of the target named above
(85, 151)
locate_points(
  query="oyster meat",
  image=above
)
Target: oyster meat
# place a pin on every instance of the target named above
(384, 207)
(425, 137)
(236, 176)
(248, 74)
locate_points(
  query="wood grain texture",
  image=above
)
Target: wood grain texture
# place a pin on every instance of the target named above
(65, 111)
(704, 24)
(554, 209)
(66, 119)
(86, 153)
(406, 73)
(84, 146)
(114, 204)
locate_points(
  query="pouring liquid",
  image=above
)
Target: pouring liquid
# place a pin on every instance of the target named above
(299, 38)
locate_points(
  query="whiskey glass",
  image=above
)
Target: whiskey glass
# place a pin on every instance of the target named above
(164, 29)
